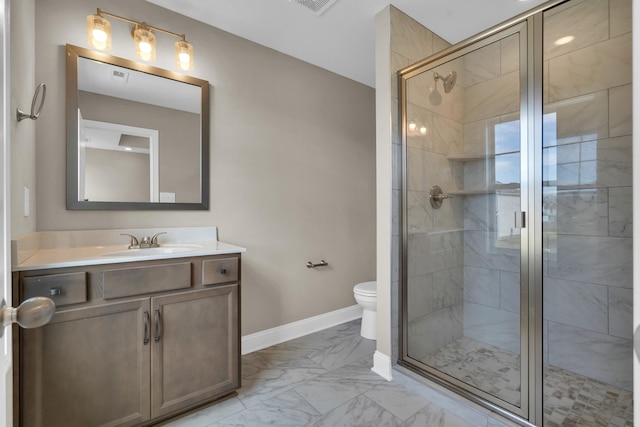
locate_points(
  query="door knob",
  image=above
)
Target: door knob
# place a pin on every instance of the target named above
(32, 313)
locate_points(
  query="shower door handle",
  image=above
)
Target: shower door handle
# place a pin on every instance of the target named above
(519, 220)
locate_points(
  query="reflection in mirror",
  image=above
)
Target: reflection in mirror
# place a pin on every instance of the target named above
(117, 163)
(137, 136)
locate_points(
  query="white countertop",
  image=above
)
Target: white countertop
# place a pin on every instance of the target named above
(36, 252)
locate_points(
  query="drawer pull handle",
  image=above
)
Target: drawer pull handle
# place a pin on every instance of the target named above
(54, 292)
(156, 316)
(145, 318)
(223, 271)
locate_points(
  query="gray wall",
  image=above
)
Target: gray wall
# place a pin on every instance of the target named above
(23, 134)
(292, 160)
(116, 176)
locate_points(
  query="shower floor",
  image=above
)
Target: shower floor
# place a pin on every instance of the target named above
(569, 399)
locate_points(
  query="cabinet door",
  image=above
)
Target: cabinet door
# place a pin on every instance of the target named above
(195, 348)
(88, 367)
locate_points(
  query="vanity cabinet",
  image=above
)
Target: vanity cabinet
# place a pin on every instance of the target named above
(130, 343)
(87, 367)
(192, 347)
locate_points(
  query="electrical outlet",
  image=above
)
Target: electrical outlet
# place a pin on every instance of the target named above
(167, 197)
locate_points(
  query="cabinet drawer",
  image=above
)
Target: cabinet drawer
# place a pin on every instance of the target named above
(222, 270)
(63, 289)
(123, 282)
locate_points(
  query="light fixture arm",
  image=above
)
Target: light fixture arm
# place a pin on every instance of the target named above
(101, 12)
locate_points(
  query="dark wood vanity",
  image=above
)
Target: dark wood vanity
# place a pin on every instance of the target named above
(130, 343)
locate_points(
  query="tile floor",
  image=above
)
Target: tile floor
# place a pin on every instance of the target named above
(570, 399)
(325, 379)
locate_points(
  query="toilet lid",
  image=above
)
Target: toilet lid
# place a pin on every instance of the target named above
(366, 288)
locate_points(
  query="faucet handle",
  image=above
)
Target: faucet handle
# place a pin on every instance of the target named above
(154, 239)
(134, 244)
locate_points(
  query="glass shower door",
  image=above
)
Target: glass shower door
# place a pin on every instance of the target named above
(462, 213)
(587, 214)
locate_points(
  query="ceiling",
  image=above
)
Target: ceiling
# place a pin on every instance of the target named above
(342, 39)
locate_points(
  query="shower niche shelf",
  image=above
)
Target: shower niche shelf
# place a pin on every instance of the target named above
(474, 157)
(510, 188)
(507, 188)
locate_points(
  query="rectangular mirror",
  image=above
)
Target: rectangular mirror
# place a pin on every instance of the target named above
(137, 135)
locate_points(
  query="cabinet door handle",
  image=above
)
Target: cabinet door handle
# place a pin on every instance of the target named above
(145, 318)
(55, 292)
(223, 271)
(156, 318)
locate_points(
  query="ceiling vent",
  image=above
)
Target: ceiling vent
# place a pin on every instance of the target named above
(318, 6)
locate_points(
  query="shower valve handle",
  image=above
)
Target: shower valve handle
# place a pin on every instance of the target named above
(436, 196)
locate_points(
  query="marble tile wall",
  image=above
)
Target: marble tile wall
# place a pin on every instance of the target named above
(491, 271)
(411, 42)
(463, 282)
(588, 248)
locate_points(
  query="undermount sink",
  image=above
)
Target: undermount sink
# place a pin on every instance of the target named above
(164, 249)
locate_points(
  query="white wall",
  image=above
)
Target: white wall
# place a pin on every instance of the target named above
(292, 160)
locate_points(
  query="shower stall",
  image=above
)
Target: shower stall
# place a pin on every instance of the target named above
(516, 216)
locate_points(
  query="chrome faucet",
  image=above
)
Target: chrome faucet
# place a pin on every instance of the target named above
(146, 242)
(134, 244)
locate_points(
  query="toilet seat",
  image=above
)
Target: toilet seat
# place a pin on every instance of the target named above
(366, 289)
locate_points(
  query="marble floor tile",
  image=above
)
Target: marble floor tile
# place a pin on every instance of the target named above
(398, 400)
(434, 416)
(206, 416)
(360, 411)
(341, 390)
(285, 409)
(269, 383)
(330, 390)
(343, 352)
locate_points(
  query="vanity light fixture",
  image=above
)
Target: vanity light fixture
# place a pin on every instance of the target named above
(99, 37)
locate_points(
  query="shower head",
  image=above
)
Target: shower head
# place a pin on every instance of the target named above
(447, 82)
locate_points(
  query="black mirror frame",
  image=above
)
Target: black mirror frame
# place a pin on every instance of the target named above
(72, 55)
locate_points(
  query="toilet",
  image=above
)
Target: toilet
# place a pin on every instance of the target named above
(366, 296)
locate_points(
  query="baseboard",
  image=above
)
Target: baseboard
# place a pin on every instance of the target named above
(382, 365)
(279, 334)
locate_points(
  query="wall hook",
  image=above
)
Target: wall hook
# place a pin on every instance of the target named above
(21, 115)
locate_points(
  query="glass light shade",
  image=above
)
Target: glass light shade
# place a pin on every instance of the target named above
(98, 32)
(145, 42)
(184, 55)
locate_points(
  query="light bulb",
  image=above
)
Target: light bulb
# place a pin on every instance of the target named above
(145, 47)
(99, 39)
(185, 59)
(99, 35)
(145, 50)
(145, 42)
(412, 126)
(423, 130)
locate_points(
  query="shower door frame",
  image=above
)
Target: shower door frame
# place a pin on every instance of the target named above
(529, 26)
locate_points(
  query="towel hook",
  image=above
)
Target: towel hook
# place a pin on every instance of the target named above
(21, 115)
